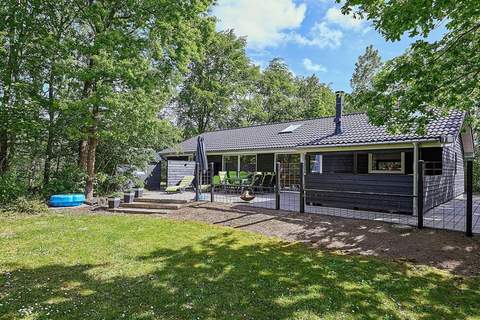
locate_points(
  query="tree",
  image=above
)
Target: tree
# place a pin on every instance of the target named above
(18, 110)
(277, 91)
(366, 67)
(216, 82)
(430, 79)
(314, 98)
(93, 71)
(130, 56)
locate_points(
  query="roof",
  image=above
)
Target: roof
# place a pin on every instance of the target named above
(316, 133)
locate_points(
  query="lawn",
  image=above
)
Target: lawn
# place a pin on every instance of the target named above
(114, 267)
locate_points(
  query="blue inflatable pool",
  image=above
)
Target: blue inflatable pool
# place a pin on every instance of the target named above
(66, 200)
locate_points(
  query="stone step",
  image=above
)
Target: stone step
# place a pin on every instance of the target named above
(152, 205)
(140, 211)
(164, 200)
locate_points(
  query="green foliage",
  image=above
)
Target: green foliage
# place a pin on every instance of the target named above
(107, 184)
(366, 67)
(70, 179)
(314, 98)
(280, 96)
(11, 187)
(24, 206)
(430, 79)
(219, 79)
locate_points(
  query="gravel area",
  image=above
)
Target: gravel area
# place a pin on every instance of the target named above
(447, 250)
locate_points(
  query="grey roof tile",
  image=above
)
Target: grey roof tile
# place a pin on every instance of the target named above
(315, 132)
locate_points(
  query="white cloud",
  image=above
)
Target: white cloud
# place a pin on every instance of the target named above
(264, 22)
(348, 22)
(320, 35)
(313, 67)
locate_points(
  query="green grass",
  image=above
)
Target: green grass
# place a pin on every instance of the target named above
(119, 267)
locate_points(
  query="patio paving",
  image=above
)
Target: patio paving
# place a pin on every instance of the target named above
(448, 216)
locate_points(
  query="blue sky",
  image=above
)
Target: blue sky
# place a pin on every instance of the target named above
(312, 36)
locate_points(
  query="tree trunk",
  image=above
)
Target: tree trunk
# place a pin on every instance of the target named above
(83, 154)
(48, 151)
(92, 149)
(51, 127)
(3, 151)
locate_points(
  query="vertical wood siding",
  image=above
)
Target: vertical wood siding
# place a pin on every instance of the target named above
(442, 188)
(177, 169)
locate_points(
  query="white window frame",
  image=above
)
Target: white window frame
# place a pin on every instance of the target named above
(321, 164)
(402, 165)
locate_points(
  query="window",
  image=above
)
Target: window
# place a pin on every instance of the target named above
(432, 158)
(315, 165)
(230, 163)
(393, 162)
(248, 163)
(291, 128)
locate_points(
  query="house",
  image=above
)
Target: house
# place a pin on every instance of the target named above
(348, 160)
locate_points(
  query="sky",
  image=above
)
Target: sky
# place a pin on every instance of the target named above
(312, 36)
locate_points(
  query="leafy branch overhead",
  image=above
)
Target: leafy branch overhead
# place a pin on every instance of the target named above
(431, 78)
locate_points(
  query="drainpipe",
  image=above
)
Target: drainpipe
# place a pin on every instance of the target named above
(415, 176)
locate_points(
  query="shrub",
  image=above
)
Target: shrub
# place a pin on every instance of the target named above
(11, 188)
(26, 206)
(106, 184)
(71, 179)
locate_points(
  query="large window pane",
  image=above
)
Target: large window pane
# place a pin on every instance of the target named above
(316, 163)
(387, 162)
(230, 163)
(248, 163)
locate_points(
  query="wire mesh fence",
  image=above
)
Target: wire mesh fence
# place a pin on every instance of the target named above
(287, 191)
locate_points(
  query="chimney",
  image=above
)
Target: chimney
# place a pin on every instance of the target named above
(339, 110)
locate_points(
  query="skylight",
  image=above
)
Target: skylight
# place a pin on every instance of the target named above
(291, 128)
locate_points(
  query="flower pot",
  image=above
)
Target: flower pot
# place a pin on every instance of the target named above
(113, 202)
(138, 192)
(128, 197)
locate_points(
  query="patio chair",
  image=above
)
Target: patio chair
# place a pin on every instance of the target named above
(233, 178)
(243, 175)
(268, 182)
(182, 185)
(256, 182)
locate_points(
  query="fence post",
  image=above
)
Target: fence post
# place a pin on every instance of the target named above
(277, 186)
(197, 182)
(212, 185)
(420, 173)
(469, 214)
(302, 187)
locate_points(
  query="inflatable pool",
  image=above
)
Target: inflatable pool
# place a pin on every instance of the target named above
(66, 200)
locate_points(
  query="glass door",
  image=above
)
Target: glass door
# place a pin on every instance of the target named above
(290, 171)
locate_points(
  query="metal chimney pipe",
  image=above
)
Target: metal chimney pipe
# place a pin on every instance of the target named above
(339, 96)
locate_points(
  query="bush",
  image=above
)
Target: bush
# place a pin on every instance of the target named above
(71, 179)
(26, 206)
(106, 184)
(11, 188)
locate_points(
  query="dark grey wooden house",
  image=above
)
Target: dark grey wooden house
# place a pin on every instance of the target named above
(350, 163)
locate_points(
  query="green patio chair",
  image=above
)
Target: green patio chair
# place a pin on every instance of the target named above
(243, 175)
(223, 176)
(217, 181)
(233, 177)
(182, 185)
